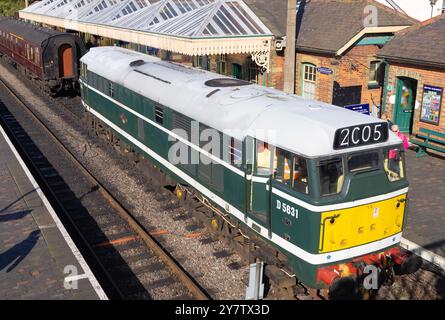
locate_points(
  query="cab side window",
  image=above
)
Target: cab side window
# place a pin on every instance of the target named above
(299, 175)
(292, 171)
(283, 168)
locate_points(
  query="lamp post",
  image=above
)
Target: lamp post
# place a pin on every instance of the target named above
(432, 3)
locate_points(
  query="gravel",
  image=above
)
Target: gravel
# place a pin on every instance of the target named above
(123, 181)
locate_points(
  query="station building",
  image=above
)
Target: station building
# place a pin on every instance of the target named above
(244, 38)
(415, 82)
(337, 46)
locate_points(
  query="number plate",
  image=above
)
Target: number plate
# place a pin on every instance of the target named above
(361, 135)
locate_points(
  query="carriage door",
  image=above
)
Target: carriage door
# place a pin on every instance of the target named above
(66, 61)
(405, 101)
(260, 190)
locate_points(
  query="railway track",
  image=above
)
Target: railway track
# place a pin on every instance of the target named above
(405, 285)
(128, 262)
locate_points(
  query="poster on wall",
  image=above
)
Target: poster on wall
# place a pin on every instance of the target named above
(431, 102)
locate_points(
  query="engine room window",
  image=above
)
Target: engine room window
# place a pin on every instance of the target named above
(235, 152)
(159, 115)
(264, 154)
(299, 175)
(331, 176)
(110, 89)
(366, 161)
(393, 164)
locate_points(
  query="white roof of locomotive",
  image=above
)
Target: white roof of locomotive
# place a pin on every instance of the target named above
(303, 126)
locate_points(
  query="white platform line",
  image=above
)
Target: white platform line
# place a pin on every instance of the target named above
(86, 269)
(423, 253)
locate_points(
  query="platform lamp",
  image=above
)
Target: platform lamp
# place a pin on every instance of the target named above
(432, 3)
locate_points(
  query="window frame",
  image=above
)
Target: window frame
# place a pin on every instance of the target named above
(378, 77)
(312, 80)
(343, 167)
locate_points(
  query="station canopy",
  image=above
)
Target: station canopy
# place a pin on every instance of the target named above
(191, 27)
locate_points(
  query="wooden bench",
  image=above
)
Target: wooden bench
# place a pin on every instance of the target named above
(424, 139)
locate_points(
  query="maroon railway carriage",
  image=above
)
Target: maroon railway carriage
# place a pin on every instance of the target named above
(50, 56)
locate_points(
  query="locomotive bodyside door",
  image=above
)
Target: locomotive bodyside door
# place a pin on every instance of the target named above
(259, 179)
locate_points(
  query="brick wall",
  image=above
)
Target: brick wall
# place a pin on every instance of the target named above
(350, 70)
(424, 76)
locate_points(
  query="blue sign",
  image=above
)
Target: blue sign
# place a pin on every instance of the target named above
(362, 108)
(324, 70)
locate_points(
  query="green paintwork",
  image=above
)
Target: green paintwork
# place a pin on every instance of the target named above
(376, 40)
(302, 231)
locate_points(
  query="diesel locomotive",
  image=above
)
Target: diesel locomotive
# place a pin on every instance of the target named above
(324, 189)
(48, 56)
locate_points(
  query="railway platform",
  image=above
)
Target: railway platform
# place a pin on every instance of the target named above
(38, 259)
(426, 210)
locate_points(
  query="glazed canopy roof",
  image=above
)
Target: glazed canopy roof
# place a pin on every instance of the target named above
(185, 19)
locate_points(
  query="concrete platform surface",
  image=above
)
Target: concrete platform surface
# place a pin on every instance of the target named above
(38, 259)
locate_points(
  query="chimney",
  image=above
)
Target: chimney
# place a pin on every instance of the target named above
(289, 59)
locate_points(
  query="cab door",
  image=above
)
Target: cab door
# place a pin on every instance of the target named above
(260, 183)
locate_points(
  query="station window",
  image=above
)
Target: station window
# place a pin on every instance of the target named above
(309, 79)
(393, 164)
(331, 176)
(221, 64)
(159, 115)
(376, 73)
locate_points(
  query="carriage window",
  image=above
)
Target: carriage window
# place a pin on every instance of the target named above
(331, 176)
(393, 164)
(265, 152)
(299, 175)
(37, 57)
(366, 161)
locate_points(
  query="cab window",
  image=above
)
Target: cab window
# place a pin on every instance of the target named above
(363, 162)
(299, 174)
(393, 164)
(292, 171)
(331, 176)
(283, 167)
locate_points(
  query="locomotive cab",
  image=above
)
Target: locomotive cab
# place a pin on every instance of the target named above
(351, 203)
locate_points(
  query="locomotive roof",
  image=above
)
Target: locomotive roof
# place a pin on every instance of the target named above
(26, 30)
(288, 121)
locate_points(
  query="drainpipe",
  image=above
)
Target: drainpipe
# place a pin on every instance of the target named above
(290, 54)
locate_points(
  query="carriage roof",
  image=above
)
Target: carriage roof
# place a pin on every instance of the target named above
(26, 30)
(303, 126)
